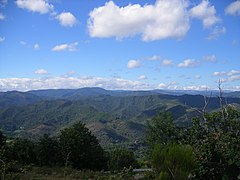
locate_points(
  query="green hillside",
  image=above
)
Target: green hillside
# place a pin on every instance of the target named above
(113, 116)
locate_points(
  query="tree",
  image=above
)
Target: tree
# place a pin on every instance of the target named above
(80, 149)
(21, 150)
(162, 130)
(216, 144)
(48, 151)
(121, 158)
(2, 139)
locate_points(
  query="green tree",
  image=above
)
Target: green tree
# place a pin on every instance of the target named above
(162, 130)
(21, 150)
(216, 144)
(2, 139)
(80, 149)
(121, 158)
(48, 151)
(173, 161)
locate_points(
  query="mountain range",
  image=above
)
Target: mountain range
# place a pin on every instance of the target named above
(113, 116)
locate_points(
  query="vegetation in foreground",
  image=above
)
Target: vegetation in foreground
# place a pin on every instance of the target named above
(210, 149)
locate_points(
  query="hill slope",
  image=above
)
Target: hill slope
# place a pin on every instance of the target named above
(114, 117)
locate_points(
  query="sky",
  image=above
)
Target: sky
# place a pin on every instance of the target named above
(119, 44)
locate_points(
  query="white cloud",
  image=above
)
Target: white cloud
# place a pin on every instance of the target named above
(23, 43)
(153, 58)
(36, 46)
(230, 76)
(164, 19)
(233, 8)
(25, 84)
(66, 19)
(63, 82)
(2, 17)
(211, 58)
(41, 71)
(216, 32)
(205, 12)
(162, 86)
(188, 63)
(142, 77)
(133, 64)
(198, 77)
(233, 72)
(216, 73)
(66, 47)
(167, 62)
(2, 39)
(40, 6)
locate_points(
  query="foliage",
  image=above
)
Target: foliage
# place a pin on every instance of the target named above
(2, 139)
(162, 130)
(121, 158)
(81, 149)
(48, 151)
(75, 147)
(216, 144)
(173, 161)
(214, 138)
(21, 150)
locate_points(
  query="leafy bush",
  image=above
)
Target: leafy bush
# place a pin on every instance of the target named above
(121, 158)
(173, 161)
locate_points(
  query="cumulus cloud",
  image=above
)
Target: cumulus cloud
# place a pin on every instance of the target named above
(133, 64)
(66, 47)
(210, 58)
(66, 19)
(36, 46)
(230, 76)
(2, 39)
(188, 63)
(40, 6)
(41, 71)
(216, 32)
(2, 17)
(167, 62)
(233, 72)
(205, 12)
(142, 77)
(164, 19)
(233, 8)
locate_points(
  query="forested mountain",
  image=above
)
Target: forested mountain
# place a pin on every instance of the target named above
(113, 116)
(14, 98)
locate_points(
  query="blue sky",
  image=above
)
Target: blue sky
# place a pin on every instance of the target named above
(121, 44)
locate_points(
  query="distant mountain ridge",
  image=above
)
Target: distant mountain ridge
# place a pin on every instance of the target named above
(113, 116)
(91, 91)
